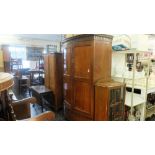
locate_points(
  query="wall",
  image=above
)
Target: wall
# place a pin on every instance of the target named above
(118, 64)
(140, 42)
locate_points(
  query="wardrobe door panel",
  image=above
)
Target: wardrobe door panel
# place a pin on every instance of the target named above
(82, 62)
(82, 97)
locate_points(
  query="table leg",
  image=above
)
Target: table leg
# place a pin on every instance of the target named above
(42, 108)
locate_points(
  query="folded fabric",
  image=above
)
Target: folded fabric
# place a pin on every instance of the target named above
(119, 47)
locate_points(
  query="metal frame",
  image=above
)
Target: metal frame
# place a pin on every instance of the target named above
(135, 52)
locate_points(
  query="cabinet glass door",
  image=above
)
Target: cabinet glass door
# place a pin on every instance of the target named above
(116, 106)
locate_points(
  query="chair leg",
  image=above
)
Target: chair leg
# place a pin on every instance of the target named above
(30, 92)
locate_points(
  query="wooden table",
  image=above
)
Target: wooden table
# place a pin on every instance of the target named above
(6, 112)
(39, 92)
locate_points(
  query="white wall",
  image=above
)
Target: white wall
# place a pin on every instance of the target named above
(118, 63)
(140, 42)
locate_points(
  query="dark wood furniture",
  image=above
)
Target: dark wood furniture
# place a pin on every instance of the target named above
(53, 66)
(21, 83)
(24, 83)
(17, 110)
(39, 73)
(87, 59)
(6, 82)
(40, 93)
(23, 112)
(109, 101)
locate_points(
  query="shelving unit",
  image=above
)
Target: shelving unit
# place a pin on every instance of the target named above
(134, 80)
(137, 99)
(37, 75)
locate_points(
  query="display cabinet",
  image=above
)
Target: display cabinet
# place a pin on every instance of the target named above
(109, 101)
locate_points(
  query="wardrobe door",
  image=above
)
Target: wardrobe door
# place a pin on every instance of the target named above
(82, 62)
(82, 88)
(82, 97)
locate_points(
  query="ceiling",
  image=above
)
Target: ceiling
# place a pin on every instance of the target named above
(47, 37)
(31, 39)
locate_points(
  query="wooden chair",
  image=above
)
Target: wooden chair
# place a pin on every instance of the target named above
(22, 111)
